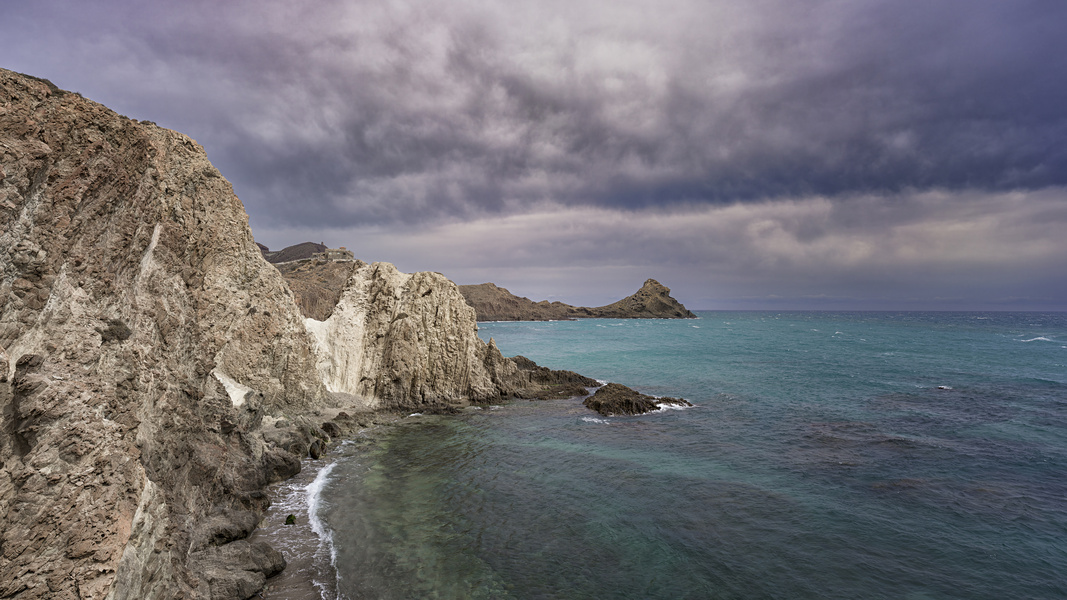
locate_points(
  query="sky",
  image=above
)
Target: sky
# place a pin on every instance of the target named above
(765, 154)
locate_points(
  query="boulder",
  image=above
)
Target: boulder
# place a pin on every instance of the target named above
(616, 399)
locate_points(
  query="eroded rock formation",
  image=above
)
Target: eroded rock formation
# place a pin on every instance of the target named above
(652, 301)
(408, 341)
(146, 338)
(155, 371)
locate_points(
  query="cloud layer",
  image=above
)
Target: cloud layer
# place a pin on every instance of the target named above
(931, 250)
(885, 141)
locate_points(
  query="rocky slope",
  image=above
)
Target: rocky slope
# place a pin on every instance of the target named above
(317, 284)
(652, 301)
(290, 253)
(155, 371)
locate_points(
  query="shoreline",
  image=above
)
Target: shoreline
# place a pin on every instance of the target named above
(309, 574)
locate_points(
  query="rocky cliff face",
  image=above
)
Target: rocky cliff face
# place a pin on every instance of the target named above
(652, 301)
(145, 337)
(410, 341)
(155, 371)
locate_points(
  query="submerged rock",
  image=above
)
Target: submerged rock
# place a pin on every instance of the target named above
(617, 399)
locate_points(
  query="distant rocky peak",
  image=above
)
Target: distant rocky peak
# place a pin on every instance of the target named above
(652, 301)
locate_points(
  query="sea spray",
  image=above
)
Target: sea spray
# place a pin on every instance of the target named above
(326, 552)
(307, 544)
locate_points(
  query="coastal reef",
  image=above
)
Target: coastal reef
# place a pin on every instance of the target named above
(157, 373)
(652, 301)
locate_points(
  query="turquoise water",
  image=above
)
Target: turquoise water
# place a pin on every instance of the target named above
(829, 455)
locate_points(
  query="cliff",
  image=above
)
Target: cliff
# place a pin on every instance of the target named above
(136, 313)
(409, 341)
(652, 301)
(156, 373)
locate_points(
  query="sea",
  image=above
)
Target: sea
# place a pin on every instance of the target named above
(903, 455)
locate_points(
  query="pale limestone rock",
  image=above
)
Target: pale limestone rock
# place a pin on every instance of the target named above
(402, 341)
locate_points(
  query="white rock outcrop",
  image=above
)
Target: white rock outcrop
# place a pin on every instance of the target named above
(402, 341)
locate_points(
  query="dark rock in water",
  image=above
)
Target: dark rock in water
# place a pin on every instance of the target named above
(317, 449)
(557, 391)
(616, 399)
(446, 409)
(531, 381)
(331, 429)
(290, 520)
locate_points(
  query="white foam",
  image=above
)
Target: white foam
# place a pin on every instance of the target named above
(313, 493)
(415, 415)
(1038, 339)
(663, 407)
(595, 420)
(314, 499)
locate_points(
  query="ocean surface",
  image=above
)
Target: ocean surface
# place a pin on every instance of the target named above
(829, 455)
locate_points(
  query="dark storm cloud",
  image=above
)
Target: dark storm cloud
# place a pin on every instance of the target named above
(357, 113)
(862, 153)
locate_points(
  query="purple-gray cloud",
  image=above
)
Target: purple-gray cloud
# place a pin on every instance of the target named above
(840, 120)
